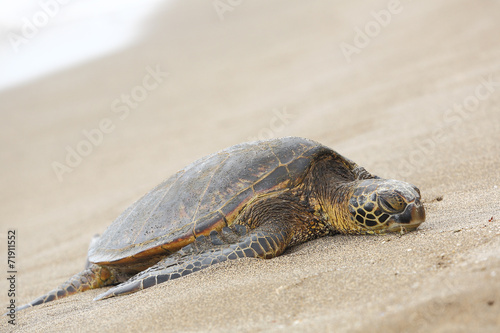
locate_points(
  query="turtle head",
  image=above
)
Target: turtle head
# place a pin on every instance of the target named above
(385, 205)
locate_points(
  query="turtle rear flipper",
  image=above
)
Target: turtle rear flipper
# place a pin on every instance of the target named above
(90, 278)
(260, 243)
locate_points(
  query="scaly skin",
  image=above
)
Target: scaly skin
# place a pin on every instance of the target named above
(261, 244)
(93, 277)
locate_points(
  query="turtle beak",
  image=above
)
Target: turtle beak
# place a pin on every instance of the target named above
(409, 219)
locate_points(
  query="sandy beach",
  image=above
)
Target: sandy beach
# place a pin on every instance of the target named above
(409, 90)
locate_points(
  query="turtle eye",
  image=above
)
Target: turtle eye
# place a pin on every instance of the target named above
(391, 202)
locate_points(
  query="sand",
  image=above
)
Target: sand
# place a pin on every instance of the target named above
(417, 99)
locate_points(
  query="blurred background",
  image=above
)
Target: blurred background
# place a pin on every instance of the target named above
(176, 80)
(102, 100)
(41, 37)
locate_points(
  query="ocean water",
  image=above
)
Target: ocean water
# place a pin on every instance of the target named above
(44, 36)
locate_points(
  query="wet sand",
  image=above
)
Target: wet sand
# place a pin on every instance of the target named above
(416, 98)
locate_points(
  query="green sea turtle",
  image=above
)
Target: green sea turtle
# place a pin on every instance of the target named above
(251, 200)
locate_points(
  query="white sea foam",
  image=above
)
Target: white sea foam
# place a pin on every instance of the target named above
(41, 37)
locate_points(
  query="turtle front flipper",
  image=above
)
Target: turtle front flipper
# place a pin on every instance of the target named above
(94, 276)
(263, 242)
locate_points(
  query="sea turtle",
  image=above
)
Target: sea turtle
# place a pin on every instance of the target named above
(251, 200)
